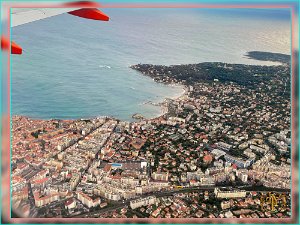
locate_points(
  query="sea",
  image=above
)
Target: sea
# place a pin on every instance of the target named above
(77, 68)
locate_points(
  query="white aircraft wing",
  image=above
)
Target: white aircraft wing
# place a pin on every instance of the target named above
(27, 15)
(21, 16)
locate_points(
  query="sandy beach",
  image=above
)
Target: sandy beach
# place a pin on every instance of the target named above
(162, 104)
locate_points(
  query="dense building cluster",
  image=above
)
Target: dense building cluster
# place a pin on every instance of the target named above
(199, 205)
(220, 133)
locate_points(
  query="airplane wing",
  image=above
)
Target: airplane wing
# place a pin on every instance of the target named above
(23, 16)
(20, 16)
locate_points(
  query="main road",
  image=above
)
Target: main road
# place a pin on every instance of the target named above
(121, 204)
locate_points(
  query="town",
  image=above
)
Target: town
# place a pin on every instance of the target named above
(217, 152)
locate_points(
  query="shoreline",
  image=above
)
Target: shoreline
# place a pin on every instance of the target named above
(163, 108)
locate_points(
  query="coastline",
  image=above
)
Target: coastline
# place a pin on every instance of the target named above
(161, 103)
(258, 56)
(262, 56)
(163, 136)
(163, 108)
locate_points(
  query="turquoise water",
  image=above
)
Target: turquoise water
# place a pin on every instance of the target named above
(116, 164)
(74, 68)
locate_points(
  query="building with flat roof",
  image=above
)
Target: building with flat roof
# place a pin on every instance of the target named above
(240, 163)
(230, 193)
(142, 202)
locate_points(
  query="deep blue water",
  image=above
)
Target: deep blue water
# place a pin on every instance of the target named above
(74, 68)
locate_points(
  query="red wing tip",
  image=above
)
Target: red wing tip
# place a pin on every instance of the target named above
(82, 4)
(93, 14)
(15, 49)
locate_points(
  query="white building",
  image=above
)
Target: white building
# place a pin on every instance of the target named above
(230, 194)
(142, 202)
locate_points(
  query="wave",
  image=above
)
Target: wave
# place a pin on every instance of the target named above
(104, 66)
